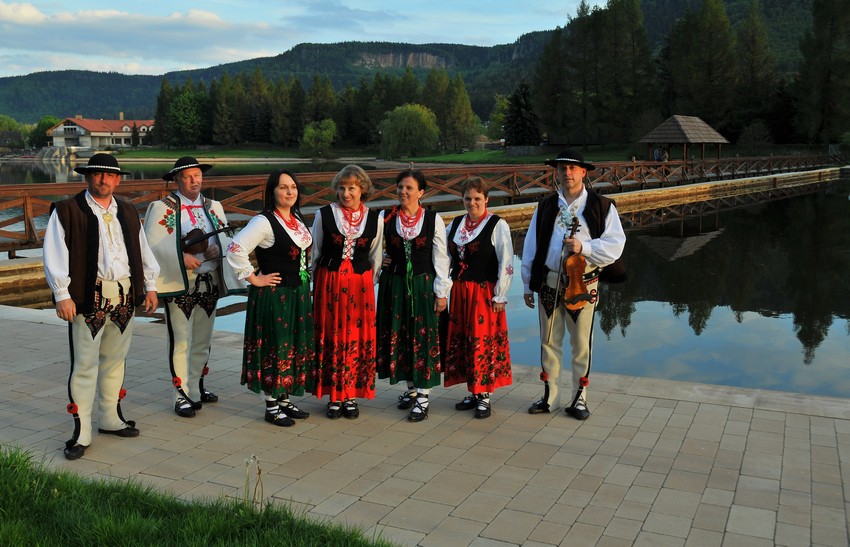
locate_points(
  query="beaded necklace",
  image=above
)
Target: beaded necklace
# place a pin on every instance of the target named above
(292, 223)
(470, 225)
(409, 221)
(353, 217)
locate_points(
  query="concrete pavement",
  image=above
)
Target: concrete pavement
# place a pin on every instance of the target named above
(658, 462)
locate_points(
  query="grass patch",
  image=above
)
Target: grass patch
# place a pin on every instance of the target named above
(40, 507)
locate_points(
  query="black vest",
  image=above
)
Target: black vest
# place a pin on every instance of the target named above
(82, 238)
(480, 262)
(333, 242)
(284, 257)
(595, 212)
(421, 247)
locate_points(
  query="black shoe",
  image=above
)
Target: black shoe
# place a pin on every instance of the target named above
(468, 403)
(75, 452)
(334, 410)
(539, 407)
(209, 397)
(292, 411)
(184, 408)
(276, 416)
(350, 410)
(406, 401)
(482, 407)
(578, 411)
(127, 432)
(418, 412)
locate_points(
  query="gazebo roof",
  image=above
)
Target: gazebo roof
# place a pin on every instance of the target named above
(684, 129)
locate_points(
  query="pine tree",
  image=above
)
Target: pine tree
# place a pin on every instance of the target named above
(823, 87)
(521, 125)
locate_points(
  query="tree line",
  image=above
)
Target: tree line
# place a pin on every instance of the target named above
(596, 81)
(253, 109)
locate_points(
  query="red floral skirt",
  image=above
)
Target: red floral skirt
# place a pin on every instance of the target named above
(477, 349)
(344, 315)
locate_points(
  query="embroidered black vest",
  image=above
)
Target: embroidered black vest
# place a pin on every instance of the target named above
(82, 238)
(284, 257)
(480, 262)
(333, 242)
(421, 247)
(595, 211)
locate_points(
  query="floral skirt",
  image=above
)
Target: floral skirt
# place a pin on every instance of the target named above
(279, 348)
(408, 331)
(477, 349)
(344, 311)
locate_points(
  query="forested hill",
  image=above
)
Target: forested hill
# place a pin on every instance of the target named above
(485, 70)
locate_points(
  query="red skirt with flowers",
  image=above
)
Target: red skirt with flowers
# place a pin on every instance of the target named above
(344, 314)
(477, 349)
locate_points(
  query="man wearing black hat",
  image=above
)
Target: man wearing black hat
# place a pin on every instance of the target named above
(100, 268)
(599, 238)
(185, 233)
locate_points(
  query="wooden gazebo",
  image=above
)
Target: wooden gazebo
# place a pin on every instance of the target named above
(684, 130)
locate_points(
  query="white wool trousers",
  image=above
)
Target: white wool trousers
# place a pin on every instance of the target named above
(552, 333)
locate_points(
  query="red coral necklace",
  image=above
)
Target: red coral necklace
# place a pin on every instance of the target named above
(409, 221)
(470, 225)
(353, 217)
(292, 223)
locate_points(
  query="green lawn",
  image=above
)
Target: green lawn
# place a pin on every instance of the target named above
(41, 507)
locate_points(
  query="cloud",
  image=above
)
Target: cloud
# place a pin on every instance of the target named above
(122, 41)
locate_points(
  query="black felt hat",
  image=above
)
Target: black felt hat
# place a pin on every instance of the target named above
(570, 156)
(105, 163)
(186, 162)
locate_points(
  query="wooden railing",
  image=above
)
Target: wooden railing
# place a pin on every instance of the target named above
(24, 207)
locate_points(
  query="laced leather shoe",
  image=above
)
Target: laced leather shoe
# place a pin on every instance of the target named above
(578, 411)
(468, 403)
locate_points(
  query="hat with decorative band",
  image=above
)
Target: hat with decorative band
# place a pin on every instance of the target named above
(104, 163)
(570, 156)
(186, 162)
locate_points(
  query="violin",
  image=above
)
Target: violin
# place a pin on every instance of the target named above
(575, 294)
(196, 240)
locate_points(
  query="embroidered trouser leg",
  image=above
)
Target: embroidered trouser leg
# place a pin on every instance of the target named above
(97, 366)
(190, 340)
(578, 325)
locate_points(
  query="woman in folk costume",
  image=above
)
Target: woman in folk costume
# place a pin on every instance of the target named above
(478, 353)
(279, 345)
(347, 252)
(412, 294)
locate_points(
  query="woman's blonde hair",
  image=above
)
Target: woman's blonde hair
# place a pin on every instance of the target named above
(358, 174)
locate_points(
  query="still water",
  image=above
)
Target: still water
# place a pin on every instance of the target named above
(753, 298)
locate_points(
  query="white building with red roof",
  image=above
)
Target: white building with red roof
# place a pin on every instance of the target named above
(82, 132)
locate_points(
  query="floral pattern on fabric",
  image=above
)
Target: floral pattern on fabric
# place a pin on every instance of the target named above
(206, 298)
(279, 347)
(477, 349)
(344, 315)
(120, 313)
(408, 343)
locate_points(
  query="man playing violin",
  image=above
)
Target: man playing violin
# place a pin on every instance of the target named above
(550, 241)
(192, 277)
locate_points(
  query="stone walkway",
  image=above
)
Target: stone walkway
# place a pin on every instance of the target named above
(658, 463)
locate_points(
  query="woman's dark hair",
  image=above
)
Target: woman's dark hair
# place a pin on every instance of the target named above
(268, 195)
(415, 174)
(477, 184)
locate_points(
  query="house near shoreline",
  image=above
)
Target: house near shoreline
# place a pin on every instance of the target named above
(79, 132)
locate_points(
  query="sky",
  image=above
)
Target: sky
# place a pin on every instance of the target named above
(155, 37)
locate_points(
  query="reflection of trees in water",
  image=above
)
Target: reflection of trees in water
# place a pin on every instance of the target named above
(784, 257)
